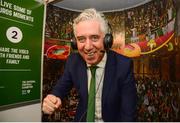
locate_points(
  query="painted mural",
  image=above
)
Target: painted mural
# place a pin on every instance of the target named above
(147, 29)
(147, 34)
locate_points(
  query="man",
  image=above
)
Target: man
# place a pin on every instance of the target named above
(115, 93)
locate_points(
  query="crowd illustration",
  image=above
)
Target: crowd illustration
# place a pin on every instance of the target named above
(148, 21)
(158, 100)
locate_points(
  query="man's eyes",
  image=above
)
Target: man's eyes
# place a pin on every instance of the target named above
(81, 39)
(93, 38)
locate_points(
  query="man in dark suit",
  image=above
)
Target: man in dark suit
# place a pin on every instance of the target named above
(115, 96)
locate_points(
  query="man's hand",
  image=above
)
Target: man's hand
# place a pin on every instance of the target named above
(50, 104)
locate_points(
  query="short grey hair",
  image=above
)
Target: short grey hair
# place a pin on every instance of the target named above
(90, 14)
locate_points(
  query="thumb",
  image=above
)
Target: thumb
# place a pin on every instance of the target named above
(58, 102)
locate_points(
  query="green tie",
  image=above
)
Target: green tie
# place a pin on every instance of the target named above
(91, 97)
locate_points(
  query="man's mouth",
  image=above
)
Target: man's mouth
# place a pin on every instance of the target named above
(90, 54)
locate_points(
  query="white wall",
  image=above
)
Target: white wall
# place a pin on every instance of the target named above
(29, 113)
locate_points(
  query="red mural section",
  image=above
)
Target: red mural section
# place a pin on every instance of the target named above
(55, 50)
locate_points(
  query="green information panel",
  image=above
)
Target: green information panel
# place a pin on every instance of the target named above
(21, 39)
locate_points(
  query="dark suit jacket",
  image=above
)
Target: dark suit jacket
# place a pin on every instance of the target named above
(119, 90)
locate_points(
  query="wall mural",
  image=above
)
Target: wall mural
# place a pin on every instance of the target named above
(147, 29)
(147, 34)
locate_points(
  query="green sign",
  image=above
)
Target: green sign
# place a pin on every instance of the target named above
(21, 39)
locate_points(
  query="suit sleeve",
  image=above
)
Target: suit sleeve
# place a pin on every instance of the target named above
(64, 84)
(128, 96)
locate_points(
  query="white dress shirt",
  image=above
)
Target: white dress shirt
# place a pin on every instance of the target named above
(99, 86)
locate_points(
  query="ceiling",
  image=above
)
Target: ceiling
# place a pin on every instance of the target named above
(100, 5)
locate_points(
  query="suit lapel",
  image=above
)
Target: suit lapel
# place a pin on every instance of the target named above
(82, 75)
(108, 77)
(83, 80)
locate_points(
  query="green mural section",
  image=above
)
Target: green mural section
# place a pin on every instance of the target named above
(21, 38)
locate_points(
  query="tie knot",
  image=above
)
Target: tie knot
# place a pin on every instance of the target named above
(93, 70)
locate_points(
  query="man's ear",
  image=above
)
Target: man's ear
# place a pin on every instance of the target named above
(74, 43)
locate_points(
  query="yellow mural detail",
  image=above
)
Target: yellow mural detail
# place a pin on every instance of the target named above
(143, 53)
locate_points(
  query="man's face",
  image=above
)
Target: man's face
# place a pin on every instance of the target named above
(89, 39)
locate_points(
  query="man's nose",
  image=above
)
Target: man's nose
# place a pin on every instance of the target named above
(88, 44)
